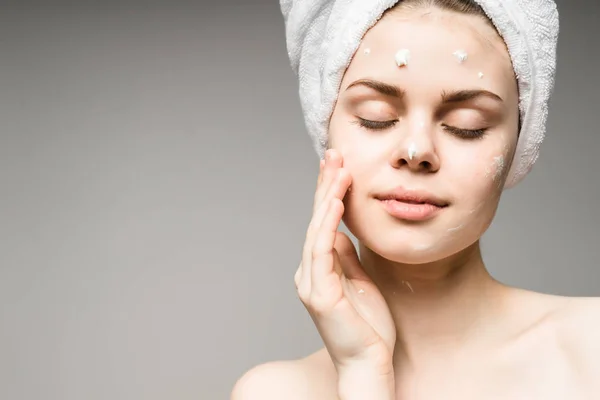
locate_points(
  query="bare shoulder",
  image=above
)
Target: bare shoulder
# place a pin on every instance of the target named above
(579, 318)
(566, 315)
(272, 380)
(312, 377)
(578, 327)
(573, 323)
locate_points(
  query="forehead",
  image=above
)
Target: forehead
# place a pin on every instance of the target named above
(432, 36)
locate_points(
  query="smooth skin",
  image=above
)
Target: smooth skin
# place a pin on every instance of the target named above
(417, 315)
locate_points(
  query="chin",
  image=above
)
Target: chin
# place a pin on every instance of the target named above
(411, 254)
(410, 242)
(409, 247)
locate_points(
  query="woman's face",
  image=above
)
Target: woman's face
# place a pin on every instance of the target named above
(448, 128)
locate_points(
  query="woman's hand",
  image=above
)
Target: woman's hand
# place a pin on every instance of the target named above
(347, 308)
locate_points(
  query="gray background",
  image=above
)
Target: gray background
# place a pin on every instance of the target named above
(156, 182)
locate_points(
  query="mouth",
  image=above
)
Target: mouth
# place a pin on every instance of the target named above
(413, 198)
(411, 205)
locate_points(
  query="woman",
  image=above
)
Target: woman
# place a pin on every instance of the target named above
(433, 117)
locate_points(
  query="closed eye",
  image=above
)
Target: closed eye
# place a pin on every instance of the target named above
(383, 125)
(465, 133)
(374, 125)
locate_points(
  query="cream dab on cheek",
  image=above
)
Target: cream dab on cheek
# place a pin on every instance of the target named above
(480, 75)
(497, 166)
(402, 57)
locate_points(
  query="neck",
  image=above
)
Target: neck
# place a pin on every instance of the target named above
(437, 307)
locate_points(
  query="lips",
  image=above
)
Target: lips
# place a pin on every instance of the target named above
(411, 205)
(412, 197)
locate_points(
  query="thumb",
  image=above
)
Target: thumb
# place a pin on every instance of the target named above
(348, 257)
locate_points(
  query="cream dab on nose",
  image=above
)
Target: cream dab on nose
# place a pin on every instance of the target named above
(412, 151)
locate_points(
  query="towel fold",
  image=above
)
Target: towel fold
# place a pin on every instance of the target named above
(323, 35)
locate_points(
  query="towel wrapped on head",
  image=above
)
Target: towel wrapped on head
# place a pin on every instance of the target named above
(323, 35)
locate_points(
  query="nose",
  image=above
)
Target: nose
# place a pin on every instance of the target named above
(415, 148)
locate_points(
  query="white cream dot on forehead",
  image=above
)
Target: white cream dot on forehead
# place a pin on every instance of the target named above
(367, 51)
(461, 55)
(402, 57)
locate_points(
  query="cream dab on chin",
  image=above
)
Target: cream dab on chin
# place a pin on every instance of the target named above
(402, 57)
(422, 246)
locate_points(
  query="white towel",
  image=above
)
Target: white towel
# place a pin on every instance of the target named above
(323, 35)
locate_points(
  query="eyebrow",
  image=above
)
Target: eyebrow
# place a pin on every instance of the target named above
(381, 87)
(466, 95)
(457, 96)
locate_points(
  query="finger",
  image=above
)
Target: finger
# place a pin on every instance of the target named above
(336, 189)
(324, 280)
(297, 276)
(320, 177)
(333, 161)
(349, 260)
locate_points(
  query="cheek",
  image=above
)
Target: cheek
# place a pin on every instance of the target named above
(358, 163)
(481, 166)
(479, 180)
(496, 169)
(360, 152)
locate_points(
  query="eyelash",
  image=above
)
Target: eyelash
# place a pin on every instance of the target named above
(383, 125)
(375, 125)
(465, 133)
